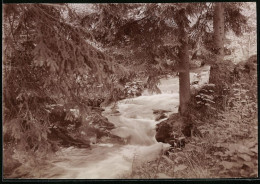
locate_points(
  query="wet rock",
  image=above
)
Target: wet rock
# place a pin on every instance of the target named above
(160, 114)
(100, 125)
(174, 130)
(65, 139)
(163, 132)
(160, 111)
(165, 129)
(71, 129)
(112, 139)
(114, 110)
(63, 124)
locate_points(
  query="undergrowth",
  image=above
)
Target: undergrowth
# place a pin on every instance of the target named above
(229, 145)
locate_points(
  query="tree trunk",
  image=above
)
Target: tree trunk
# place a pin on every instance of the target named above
(219, 32)
(184, 72)
(218, 40)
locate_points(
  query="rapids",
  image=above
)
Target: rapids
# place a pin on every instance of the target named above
(135, 123)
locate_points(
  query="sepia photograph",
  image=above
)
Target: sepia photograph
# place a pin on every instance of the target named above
(129, 90)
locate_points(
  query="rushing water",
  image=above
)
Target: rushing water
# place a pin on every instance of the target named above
(135, 123)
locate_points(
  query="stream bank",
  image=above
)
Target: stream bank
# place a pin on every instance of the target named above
(134, 122)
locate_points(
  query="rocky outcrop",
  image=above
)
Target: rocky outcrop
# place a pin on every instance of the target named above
(175, 129)
(62, 135)
(168, 127)
(69, 128)
(99, 125)
(160, 114)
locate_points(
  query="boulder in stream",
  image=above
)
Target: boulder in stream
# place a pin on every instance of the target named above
(69, 128)
(99, 124)
(160, 114)
(174, 130)
(166, 129)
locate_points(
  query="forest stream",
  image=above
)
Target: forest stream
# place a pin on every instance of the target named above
(135, 122)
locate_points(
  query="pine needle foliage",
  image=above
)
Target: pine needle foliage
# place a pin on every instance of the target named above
(48, 59)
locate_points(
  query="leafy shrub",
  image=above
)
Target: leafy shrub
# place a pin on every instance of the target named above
(238, 160)
(203, 104)
(205, 97)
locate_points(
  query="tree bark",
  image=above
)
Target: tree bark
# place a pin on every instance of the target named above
(218, 40)
(219, 32)
(184, 72)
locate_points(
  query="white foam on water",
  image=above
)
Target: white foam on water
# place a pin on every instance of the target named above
(135, 123)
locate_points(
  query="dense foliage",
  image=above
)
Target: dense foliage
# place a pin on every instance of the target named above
(60, 64)
(47, 60)
(223, 139)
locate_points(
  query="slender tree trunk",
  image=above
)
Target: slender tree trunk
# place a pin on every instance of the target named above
(184, 75)
(219, 32)
(218, 40)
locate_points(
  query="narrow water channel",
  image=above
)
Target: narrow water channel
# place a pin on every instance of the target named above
(135, 123)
